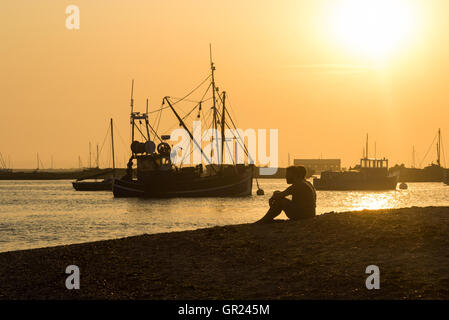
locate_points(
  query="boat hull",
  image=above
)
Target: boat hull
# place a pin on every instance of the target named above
(172, 186)
(92, 186)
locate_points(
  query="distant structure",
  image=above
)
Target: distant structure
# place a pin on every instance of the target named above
(319, 165)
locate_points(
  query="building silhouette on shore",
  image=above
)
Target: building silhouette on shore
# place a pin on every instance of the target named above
(319, 165)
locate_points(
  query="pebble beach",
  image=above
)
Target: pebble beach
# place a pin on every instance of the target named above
(321, 258)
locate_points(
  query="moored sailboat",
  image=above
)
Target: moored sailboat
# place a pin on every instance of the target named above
(106, 184)
(434, 172)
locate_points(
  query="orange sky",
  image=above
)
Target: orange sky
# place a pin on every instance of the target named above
(279, 61)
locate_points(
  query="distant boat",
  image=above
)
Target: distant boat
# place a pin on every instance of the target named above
(431, 173)
(403, 186)
(3, 165)
(159, 177)
(106, 184)
(372, 174)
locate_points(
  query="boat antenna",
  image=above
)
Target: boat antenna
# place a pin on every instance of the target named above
(366, 146)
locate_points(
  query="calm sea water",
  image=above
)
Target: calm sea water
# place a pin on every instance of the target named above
(47, 213)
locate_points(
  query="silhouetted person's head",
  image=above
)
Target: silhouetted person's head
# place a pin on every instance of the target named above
(295, 173)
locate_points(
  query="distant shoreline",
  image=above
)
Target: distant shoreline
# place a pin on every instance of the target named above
(57, 174)
(321, 258)
(72, 174)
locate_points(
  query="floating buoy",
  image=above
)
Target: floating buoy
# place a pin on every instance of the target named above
(403, 186)
(259, 192)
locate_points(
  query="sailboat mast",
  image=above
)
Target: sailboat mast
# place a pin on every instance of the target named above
(90, 155)
(98, 158)
(223, 128)
(2, 162)
(439, 148)
(112, 143)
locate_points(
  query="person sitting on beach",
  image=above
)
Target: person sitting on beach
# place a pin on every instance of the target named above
(303, 194)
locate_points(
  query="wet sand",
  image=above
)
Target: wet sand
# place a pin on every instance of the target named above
(321, 258)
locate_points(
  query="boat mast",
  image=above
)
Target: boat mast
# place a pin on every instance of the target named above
(223, 129)
(132, 111)
(212, 67)
(2, 162)
(147, 123)
(98, 158)
(90, 155)
(439, 148)
(112, 142)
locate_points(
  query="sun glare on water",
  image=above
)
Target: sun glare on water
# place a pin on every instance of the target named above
(374, 28)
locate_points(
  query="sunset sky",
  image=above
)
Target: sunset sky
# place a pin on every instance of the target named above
(323, 72)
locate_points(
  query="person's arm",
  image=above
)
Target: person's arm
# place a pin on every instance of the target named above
(283, 194)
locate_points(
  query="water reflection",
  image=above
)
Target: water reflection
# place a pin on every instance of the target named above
(43, 213)
(372, 201)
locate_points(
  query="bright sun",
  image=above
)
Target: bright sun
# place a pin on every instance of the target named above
(374, 28)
